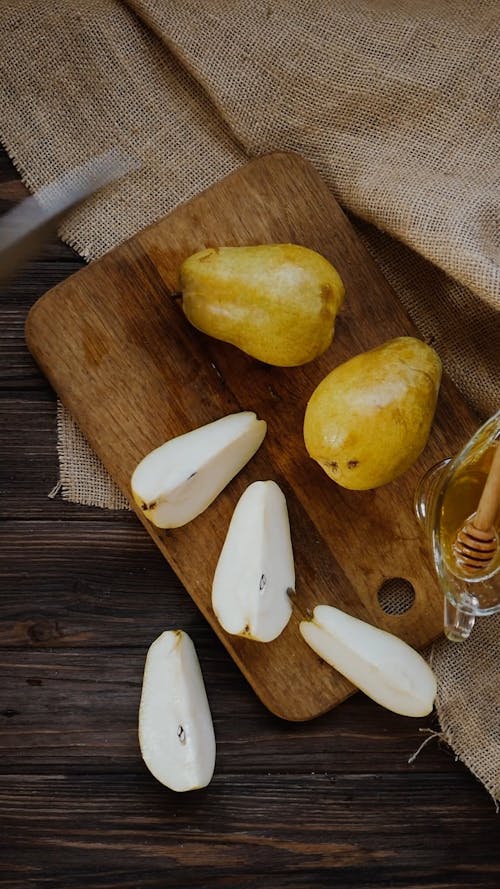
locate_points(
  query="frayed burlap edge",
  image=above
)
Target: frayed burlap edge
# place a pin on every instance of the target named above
(94, 487)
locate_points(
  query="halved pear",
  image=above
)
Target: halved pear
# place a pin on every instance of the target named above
(255, 574)
(383, 666)
(177, 481)
(176, 733)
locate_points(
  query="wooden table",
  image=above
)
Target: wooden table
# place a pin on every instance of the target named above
(83, 593)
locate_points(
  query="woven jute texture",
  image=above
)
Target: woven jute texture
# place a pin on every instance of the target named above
(394, 102)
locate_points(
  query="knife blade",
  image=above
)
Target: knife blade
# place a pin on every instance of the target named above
(25, 228)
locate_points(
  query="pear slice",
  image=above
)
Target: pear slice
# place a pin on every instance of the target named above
(255, 574)
(383, 666)
(177, 481)
(176, 733)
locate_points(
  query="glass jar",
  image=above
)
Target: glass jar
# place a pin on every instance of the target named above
(446, 497)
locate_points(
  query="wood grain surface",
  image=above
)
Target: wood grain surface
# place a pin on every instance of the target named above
(330, 802)
(115, 345)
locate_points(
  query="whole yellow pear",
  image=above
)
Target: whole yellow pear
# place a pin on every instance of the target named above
(370, 418)
(276, 302)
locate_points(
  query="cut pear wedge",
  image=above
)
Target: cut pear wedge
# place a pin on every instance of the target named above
(180, 479)
(381, 665)
(176, 733)
(255, 574)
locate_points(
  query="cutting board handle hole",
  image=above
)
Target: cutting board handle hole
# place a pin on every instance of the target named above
(396, 595)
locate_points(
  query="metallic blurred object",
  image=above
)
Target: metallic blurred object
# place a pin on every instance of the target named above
(28, 225)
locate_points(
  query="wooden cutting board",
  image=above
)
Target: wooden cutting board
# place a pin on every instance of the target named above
(117, 349)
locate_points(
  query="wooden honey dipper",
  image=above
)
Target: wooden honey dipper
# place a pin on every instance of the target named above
(476, 542)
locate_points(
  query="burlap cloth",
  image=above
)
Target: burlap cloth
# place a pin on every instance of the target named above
(394, 103)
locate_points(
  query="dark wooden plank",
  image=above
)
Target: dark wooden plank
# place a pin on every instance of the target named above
(7, 169)
(54, 262)
(75, 708)
(110, 588)
(29, 465)
(95, 583)
(18, 370)
(280, 831)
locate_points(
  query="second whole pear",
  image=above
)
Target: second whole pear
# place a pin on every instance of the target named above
(370, 418)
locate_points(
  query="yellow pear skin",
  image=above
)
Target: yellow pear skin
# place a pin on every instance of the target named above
(276, 302)
(370, 418)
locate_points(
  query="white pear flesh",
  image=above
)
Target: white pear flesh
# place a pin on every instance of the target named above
(177, 481)
(380, 664)
(176, 733)
(255, 574)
